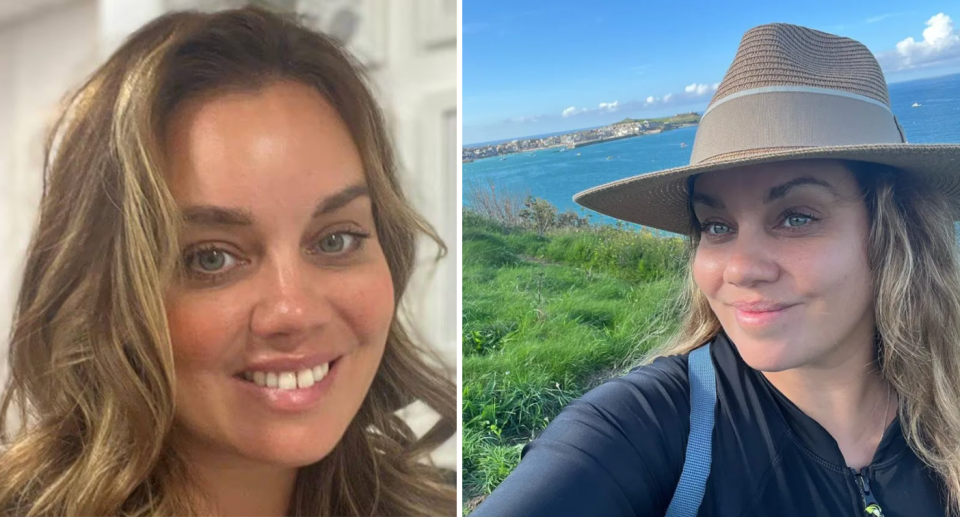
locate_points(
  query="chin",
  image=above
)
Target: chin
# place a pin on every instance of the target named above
(766, 355)
(290, 456)
(290, 448)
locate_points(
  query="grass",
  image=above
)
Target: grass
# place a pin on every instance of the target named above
(546, 318)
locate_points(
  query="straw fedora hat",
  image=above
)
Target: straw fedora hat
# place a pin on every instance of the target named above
(791, 93)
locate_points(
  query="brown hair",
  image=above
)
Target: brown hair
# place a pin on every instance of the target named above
(915, 262)
(91, 361)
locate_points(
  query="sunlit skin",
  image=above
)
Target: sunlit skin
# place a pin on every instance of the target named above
(305, 274)
(795, 233)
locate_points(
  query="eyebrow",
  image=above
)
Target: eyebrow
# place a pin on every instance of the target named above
(340, 200)
(775, 193)
(209, 215)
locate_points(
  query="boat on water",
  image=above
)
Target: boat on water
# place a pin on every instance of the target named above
(578, 154)
(503, 159)
(609, 157)
(916, 105)
(683, 144)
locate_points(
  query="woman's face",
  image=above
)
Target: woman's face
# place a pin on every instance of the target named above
(280, 322)
(783, 262)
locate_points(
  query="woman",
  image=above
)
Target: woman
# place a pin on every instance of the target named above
(824, 295)
(207, 323)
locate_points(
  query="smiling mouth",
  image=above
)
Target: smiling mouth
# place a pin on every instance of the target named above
(290, 380)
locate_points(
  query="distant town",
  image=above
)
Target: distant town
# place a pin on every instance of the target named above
(624, 129)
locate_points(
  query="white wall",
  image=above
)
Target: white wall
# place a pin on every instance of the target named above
(41, 57)
(410, 46)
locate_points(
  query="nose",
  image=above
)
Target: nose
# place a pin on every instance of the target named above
(290, 302)
(751, 259)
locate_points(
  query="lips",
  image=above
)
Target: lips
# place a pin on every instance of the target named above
(287, 401)
(760, 306)
(288, 372)
(760, 312)
(288, 380)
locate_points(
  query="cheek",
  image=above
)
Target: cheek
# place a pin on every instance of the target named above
(366, 301)
(839, 273)
(202, 328)
(708, 270)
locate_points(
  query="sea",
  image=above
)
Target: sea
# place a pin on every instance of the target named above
(556, 176)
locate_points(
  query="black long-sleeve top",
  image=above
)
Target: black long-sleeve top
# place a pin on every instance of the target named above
(619, 451)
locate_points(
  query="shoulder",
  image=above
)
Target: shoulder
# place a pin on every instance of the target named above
(659, 390)
(629, 432)
(617, 451)
(646, 411)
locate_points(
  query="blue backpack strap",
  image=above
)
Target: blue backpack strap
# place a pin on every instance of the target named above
(696, 467)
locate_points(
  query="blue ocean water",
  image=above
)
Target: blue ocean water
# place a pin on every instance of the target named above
(557, 176)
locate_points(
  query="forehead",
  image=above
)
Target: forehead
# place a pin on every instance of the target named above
(755, 181)
(282, 144)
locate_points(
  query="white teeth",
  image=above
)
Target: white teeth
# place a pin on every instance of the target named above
(304, 378)
(289, 380)
(319, 372)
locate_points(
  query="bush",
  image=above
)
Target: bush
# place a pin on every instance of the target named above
(483, 338)
(490, 250)
(502, 206)
(632, 255)
(547, 317)
(512, 407)
(509, 210)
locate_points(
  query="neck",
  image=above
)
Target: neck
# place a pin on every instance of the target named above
(234, 487)
(846, 395)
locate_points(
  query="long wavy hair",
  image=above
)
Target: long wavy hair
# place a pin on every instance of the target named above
(914, 257)
(91, 392)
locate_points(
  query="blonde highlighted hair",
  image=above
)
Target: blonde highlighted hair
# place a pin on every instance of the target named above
(92, 374)
(915, 262)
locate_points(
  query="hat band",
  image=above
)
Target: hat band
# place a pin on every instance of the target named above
(775, 118)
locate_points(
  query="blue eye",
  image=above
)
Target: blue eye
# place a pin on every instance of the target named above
(340, 244)
(337, 242)
(211, 260)
(796, 220)
(210, 264)
(708, 227)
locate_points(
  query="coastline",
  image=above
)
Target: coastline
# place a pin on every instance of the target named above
(576, 139)
(575, 145)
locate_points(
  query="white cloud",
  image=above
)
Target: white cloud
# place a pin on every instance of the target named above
(609, 107)
(571, 111)
(698, 89)
(882, 17)
(715, 86)
(940, 43)
(651, 100)
(937, 37)
(667, 97)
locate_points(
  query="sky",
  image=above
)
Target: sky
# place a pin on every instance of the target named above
(532, 67)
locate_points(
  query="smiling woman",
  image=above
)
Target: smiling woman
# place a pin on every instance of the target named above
(815, 367)
(208, 319)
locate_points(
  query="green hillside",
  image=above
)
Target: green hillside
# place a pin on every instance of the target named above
(546, 318)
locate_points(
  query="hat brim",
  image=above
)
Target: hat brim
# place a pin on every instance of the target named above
(659, 199)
